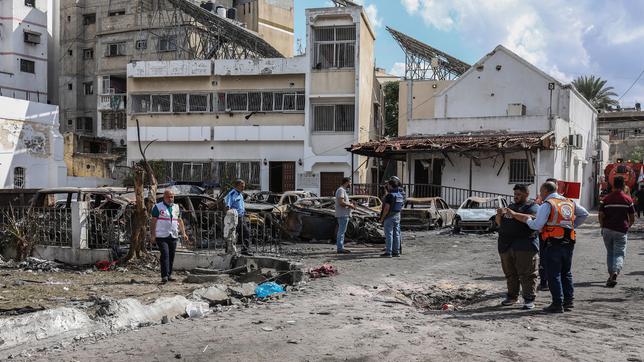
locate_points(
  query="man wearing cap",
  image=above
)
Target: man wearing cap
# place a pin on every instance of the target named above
(390, 217)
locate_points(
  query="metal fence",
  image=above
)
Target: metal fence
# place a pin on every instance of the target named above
(454, 196)
(45, 226)
(109, 228)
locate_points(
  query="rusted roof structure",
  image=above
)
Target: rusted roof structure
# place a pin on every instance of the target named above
(397, 148)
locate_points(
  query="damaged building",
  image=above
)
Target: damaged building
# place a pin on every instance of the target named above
(500, 122)
(100, 38)
(279, 123)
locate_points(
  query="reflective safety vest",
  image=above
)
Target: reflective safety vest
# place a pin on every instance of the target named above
(167, 222)
(399, 201)
(561, 222)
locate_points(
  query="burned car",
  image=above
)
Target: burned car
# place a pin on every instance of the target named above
(426, 213)
(371, 202)
(269, 201)
(314, 219)
(478, 214)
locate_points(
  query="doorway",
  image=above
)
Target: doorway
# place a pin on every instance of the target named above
(329, 182)
(281, 176)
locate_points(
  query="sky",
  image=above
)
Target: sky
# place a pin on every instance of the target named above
(564, 38)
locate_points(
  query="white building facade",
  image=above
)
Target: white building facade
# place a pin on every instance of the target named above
(24, 38)
(503, 93)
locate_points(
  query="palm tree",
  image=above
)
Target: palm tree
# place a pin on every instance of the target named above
(595, 91)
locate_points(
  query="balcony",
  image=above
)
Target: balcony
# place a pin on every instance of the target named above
(111, 102)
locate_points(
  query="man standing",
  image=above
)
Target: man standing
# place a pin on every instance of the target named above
(616, 216)
(557, 219)
(343, 208)
(390, 218)
(543, 278)
(166, 223)
(639, 195)
(235, 200)
(518, 247)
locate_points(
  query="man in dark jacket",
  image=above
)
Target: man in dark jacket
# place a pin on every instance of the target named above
(519, 247)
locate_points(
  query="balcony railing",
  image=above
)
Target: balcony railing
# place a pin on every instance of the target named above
(112, 102)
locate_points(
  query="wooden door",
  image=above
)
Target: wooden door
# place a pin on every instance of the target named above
(329, 182)
(288, 176)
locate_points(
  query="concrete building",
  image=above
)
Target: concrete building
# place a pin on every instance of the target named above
(624, 129)
(23, 49)
(281, 124)
(501, 123)
(273, 20)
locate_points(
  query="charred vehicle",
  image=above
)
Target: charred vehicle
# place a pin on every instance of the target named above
(314, 219)
(478, 214)
(268, 201)
(426, 213)
(371, 202)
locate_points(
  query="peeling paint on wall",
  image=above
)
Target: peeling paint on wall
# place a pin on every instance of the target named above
(18, 135)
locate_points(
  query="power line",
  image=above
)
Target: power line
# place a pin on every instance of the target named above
(632, 85)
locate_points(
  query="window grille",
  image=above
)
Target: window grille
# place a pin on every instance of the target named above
(334, 118)
(267, 101)
(229, 171)
(335, 47)
(141, 44)
(27, 66)
(160, 103)
(179, 103)
(168, 43)
(113, 120)
(140, 103)
(254, 101)
(115, 49)
(88, 53)
(237, 101)
(221, 102)
(198, 102)
(88, 88)
(520, 172)
(323, 116)
(344, 118)
(19, 177)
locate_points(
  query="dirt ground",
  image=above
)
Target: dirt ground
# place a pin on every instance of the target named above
(364, 313)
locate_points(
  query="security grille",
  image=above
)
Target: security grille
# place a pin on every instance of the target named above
(115, 49)
(168, 43)
(140, 103)
(113, 120)
(160, 103)
(229, 171)
(237, 101)
(179, 103)
(520, 172)
(254, 101)
(198, 102)
(334, 118)
(335, 47)
(19, 177)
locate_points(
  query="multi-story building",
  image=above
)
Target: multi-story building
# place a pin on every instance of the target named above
(624, 129)
(23, 50)
(279, 123)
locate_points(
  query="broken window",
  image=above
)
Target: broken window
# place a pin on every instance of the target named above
(115, 49)
(334, 47)
(520, 172)
(168, 43)
(334, 118)
(88, 53)
(179, 103)
(89, 19)
(19, 177)
(237, 101)
(198, 102)
(160, 103)
(140, 103)
(31, 37)
(27, 66)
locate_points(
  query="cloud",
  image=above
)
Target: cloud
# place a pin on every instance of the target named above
(564, 38)
(398, 69)
(372, 13)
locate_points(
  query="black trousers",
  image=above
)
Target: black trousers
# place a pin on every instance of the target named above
(243, 233)
(167, 247)
(543, 277)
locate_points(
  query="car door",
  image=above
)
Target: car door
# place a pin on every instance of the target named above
(448, 213)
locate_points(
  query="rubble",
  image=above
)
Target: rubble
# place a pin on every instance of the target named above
(216, 294)
(34, 264)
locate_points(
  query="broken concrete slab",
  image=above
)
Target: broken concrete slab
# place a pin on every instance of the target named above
(131, 313)
(209, 278)
(243, 290)
(216, 294)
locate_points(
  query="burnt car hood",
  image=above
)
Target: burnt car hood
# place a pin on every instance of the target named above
(476, 214)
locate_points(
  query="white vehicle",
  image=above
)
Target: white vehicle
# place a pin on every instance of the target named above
(478, 214)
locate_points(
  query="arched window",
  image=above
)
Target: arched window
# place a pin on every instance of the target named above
(19, 177)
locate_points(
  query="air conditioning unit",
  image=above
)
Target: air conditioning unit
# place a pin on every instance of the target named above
(516, 109)
(576, 141)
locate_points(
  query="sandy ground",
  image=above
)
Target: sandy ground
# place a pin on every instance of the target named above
(350, 317)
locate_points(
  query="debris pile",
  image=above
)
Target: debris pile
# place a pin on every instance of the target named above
(434, 297)
(33, 264)
(325, 270)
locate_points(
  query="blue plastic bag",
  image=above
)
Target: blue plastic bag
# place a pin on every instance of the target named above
(266, 289)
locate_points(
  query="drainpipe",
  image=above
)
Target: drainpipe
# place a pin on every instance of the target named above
(470, 190)
(536, 172)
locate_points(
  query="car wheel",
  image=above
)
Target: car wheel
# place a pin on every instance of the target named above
(456, 228)
(439, 223)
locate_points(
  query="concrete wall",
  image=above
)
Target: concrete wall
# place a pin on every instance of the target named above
(439, 126)
(17, 18)
(423, 104)
(29, 138)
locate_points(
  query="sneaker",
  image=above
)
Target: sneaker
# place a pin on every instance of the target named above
(612, 281)
(385, 255)
(396, 255)
(344, 251)
(528, 305)
(553, 308)
(568, 306)
(544, 288)
(164, 280)
(508, 302)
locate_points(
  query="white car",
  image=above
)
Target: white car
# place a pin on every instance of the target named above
(478, 214)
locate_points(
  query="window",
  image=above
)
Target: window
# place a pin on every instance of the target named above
(19, 177)
(116, 12)
(70, 52)
(334, 118)
(237, 101)
(84, 124)
(141, 44)
(113, 120)
(88, 53)
(229, 171)
(27, 66)
(168, 43)
(115, 49)
(198, 102)
(88, 88)
(520, 172)
(140, 103)
(89, 19)
(31, 37)
(30, 3)
(334, 47)
(70, 86)
(179, 103)
(160, 103)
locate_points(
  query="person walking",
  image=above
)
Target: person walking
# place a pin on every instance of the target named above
(165, 227)
(557, 219)
(518, 248)
(616, 216)
(343, 208)
(390, 218)
(639, 195)
(235, 200)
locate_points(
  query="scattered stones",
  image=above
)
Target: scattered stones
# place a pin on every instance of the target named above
(244, 290)
(214, 295)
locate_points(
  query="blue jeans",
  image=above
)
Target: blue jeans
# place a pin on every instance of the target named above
(392, 234)
(343, 222)
(558, 267)
(615, 249)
